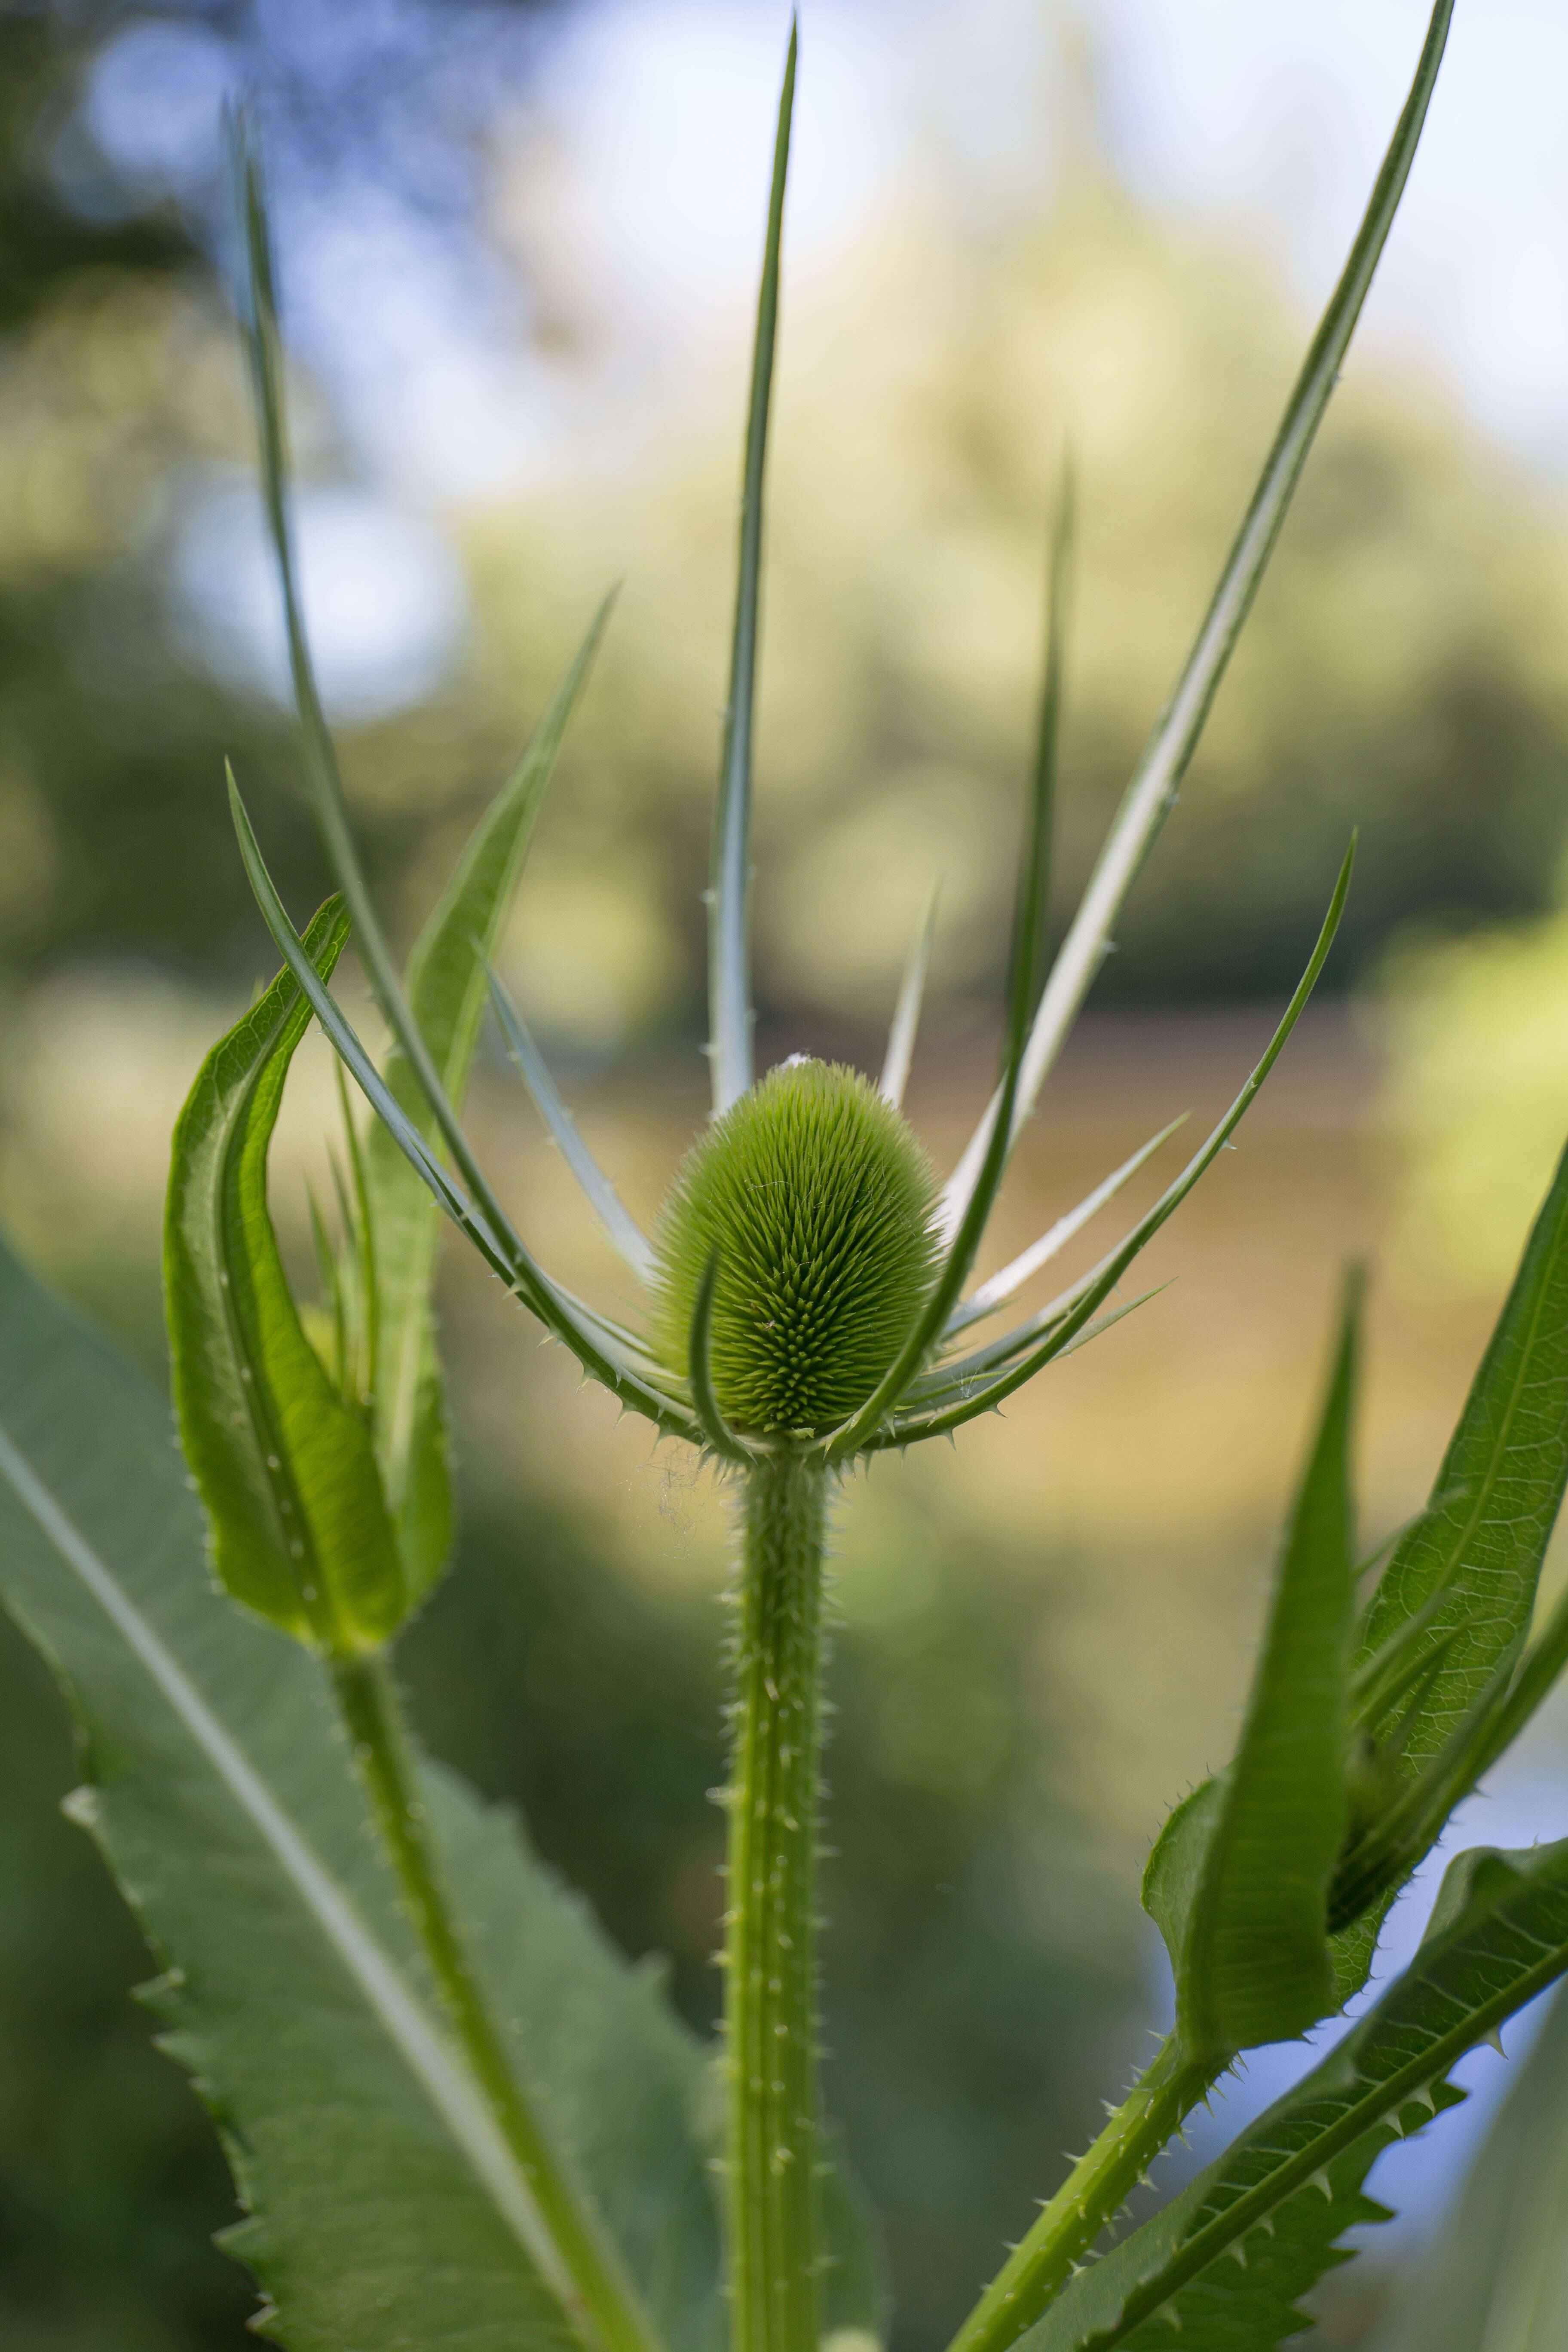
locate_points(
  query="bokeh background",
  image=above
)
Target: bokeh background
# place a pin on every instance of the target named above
(517, 244)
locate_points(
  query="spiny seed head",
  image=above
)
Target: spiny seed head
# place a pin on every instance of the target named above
(820, 1204)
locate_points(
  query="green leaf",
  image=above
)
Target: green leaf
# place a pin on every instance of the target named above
(386, 2208)
(730, 890)
(1444, 1680)
(1463, 1578)
(1355, 1949)
(1496, 2277)
(447, 991)
(285, 1465)
(1238, 1880)
(722, 1439)
(1222, 2267)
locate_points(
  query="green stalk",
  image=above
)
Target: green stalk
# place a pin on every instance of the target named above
(575, 2250)
(770, 1987)
(1096, 2189)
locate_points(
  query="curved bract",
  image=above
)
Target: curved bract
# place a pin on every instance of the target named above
(818, 1200)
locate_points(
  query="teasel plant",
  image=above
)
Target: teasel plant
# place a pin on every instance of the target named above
(456, 2118)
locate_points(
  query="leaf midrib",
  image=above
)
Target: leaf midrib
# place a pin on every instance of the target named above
(418, 2041)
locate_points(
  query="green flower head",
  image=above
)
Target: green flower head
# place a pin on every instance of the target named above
(819, 1203)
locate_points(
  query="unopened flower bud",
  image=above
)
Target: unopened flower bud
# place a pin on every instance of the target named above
(819, 1203)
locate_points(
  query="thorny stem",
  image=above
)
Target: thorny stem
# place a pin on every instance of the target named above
(593, 2288)
(1094, 2189)
(770, 1987)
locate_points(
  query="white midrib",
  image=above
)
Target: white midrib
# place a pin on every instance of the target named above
(417, 2041)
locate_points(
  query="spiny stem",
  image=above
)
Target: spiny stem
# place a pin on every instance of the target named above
(770, 1992)
(1095, 2189)
(598, 2296)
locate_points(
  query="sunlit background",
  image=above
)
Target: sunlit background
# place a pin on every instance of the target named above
(516, 251)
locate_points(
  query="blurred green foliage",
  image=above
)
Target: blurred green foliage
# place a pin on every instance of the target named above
(116, 377)
(1477, 1094)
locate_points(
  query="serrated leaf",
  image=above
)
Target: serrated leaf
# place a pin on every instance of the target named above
(1285, 2192)
(1464, 1574)
(1355, 1949)
(386, 2210)
(1495, 2279)
(1239, 1879)
(446, 989)
(300, 1530)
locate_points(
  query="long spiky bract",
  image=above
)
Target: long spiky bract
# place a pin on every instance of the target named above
(606, 1353)
(1034, 882)
(597, 1188)
(319, 755)
(599, 1348)
(709, 1413)
(1152, 792)
(1096, 1288)
(583, 1333)
(730, 887)
(999, 1287)
(905, 1019)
